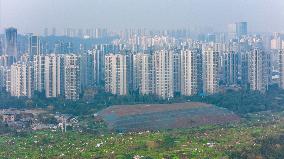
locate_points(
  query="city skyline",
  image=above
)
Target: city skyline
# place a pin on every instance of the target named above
(142, 79)
(196, 15)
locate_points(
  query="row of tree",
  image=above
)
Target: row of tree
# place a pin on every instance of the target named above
(240, 102)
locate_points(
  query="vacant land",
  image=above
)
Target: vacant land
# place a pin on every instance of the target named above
(126, 118)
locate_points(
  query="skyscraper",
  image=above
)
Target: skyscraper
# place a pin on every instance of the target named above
(45, 32)
(11, 45)
(237, 30)
(232, 31)
(34, 46)
(53, 32)
(242, 28)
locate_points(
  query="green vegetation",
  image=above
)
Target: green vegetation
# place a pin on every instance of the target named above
(259, 135)
(240, 102)
(85, 106)
(249, 139)
(243, 102)
(4, 129)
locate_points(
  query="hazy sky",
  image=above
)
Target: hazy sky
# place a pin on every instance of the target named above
(35, 15)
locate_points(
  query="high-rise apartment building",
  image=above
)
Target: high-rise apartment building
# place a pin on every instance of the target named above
(63, 48)
(2, 78)
(52, 76)
(8, 80)
(129, 70)
(21, 80)
(143, 73)
(4, 60)
(137, 71)
(211, 66)
(1, 47)
(88, 70)
(147, 75)
(189, 72)
(99, 66)
(281, 69)
(199, 69)
(72, 76)
(177, 71)
(276, 42)
(163, 65)
(258, 70)
(230, 67)
(39, 73)
(116, 74)
(244, 65)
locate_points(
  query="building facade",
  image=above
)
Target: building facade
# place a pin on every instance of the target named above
(211, 66)
(72, 80)
(230, 67)
(116, 74)
(163, 65)
(189, 72)
(258, 70)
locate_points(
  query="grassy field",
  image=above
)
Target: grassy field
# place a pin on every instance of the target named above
(204, 142)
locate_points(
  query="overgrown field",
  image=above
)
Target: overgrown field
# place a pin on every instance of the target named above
(244, 140)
